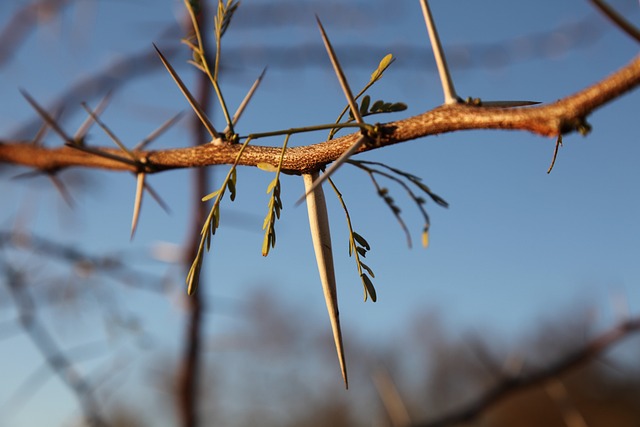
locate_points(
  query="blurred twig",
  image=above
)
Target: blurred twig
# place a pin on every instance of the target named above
(56, 359)
(42, 373)
(189, 370)
(390, 397)
(23, 22)
(85, 264)
(512, 384)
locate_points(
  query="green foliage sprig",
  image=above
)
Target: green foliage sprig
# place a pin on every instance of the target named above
(378, 107)
(222, 20)
(400, 177)
(213, 220)
(358, 247)
(275, 205)
(375, 76)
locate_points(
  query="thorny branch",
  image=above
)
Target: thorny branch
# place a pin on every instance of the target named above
(554, 119)
(509, 385)
(563, 116)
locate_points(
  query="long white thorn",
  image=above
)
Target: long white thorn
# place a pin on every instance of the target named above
(450, 96)
(137, 204)
(321, 236)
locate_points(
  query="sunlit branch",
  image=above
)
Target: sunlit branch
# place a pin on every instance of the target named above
(563, 116)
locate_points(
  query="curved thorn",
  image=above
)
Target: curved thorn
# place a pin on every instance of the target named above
(450, 96)
(321, 236)
(555, 153)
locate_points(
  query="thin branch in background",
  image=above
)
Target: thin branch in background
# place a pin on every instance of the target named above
(25, 21)
(188, 372)
(470, 56)
(512, 384)
(39, 376)
(56, 359)
(108, 265)
(390, 397)
(558, 392)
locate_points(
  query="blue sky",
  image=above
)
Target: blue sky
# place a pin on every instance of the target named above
(516, 245)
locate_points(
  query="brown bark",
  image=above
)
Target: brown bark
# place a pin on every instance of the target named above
(563, 116)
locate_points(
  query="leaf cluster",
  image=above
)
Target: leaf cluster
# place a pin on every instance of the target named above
(358, 247)
(212, 222)
(275, 204)
(378, 107)
(403, 179)
(375, 76)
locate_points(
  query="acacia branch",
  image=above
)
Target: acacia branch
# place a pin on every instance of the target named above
(563, 116)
